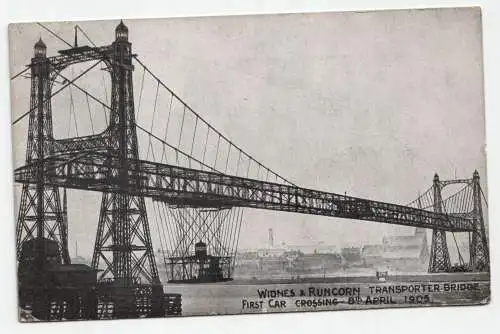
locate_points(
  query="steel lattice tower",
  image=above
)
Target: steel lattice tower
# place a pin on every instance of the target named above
(40, 214)
(479, 256)
(440, 258)
(123, 231)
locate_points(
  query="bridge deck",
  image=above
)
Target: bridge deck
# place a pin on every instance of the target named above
(183, 186)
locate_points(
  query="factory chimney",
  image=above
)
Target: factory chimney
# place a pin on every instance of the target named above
(271, 238)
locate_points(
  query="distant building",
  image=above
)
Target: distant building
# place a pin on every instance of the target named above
(280, 260)
(372, 253)
(318, 248)
(411, 246)
(351, 256)
(271, 252)
(395, 254)
(399, 253)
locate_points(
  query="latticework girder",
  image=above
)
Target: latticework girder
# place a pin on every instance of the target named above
(466, 203)
(40, 214)
(177, 185)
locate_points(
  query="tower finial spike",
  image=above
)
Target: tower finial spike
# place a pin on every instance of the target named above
(121, 31)
(436, 177)
(40, 48)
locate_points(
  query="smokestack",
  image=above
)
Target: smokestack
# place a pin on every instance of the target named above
(271, 238)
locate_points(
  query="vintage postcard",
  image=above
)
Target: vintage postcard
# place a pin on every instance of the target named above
(249, 164)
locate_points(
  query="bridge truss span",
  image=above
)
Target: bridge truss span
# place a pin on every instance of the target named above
(190, 187)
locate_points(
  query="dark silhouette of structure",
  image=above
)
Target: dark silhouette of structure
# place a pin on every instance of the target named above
(468, 204)
(440, 258)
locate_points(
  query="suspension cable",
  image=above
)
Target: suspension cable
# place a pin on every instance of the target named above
(86, 36)
(90, 113)
(484, 197)
(237, 237)
(166, 224)
(140, 95)
(103, 79)
(69, 122)
(58, 91)
(158, 226)
(166, 130)
(105, 105)
(174, 148)
(460, 258)
(455, 196)
(54, 34)
(182, 127)
(20, 73)
(415, 201)
(186, 106)
(58, 73)
(153, 119)
(72, 109)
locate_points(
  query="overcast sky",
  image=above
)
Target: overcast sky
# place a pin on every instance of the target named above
(372, 104)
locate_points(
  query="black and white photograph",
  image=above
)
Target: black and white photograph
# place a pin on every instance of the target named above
(249, 164)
